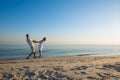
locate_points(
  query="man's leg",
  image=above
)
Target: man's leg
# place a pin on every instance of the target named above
(34, 54)
(34, 51)
(29, 55)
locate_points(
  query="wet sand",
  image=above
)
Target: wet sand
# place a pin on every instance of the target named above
(62, 68)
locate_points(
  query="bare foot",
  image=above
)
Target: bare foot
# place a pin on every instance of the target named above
(27, 58)
(35, 57)
(40, 56)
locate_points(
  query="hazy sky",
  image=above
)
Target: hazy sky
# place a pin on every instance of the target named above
(61, 21)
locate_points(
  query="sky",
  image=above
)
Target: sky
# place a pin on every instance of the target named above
(60, 21)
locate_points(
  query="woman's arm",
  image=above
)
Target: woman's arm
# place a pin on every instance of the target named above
(35, 41)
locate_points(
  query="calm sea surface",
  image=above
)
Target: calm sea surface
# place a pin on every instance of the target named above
(15, 51)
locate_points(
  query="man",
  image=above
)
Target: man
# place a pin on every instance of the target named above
(32, 46)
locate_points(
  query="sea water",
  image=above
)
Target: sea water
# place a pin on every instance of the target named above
(15, 51)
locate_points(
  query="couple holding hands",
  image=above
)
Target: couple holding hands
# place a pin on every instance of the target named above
(32, 46)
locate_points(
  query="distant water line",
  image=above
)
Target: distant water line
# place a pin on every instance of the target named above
(15, 51)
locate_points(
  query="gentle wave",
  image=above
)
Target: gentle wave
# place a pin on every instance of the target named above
(22, 51)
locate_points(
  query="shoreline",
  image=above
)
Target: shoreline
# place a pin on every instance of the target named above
(62, 68)
(81, 55)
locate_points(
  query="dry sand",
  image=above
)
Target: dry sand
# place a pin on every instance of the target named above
(62, 68)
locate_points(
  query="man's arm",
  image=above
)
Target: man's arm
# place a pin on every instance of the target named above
(35, 41)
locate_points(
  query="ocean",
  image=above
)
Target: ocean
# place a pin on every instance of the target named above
(21, 51)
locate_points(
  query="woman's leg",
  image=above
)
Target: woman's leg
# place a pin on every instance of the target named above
(40, 53)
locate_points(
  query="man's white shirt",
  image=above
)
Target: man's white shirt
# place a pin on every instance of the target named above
(30, 43)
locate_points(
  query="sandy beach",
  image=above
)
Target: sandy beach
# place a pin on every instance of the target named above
(62, 68)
